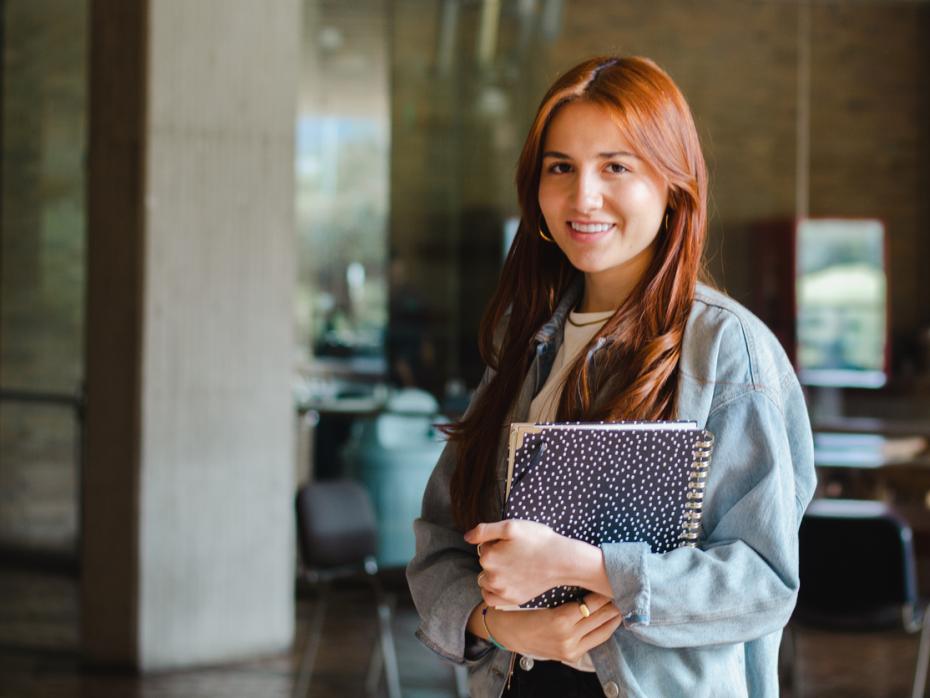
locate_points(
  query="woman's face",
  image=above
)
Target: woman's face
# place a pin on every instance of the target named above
(602, 204)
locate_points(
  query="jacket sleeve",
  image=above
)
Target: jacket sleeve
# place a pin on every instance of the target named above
(741, 582)
(443, 573)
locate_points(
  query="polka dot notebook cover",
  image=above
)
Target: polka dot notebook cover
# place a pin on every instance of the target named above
(607, 483)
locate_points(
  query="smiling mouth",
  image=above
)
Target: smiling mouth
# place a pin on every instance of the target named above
(590, 227)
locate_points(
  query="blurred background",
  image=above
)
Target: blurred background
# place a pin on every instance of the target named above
(246, 247)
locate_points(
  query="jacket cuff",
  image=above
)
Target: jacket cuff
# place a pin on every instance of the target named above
(626, 572)
(445, 633)
(476, 648)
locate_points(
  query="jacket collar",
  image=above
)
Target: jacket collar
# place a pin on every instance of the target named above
(553, 327)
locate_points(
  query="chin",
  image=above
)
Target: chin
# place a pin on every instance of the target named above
(593, 266)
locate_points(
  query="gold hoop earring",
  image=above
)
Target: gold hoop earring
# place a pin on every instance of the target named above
(543, 235)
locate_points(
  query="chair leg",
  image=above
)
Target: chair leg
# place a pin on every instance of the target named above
(385, 613)
(375, 665)
(923, 657)
(391, 675)
(305, 670)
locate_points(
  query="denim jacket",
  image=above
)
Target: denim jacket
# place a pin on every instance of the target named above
(704, 621)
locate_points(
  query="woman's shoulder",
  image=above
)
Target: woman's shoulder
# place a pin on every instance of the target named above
(713, 308)
(725, 343)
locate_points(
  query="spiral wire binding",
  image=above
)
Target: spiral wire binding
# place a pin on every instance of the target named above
(697, 481)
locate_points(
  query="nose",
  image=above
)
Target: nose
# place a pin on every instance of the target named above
(588, 196)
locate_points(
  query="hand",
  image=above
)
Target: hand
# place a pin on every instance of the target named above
(561, 633)
(519, 560)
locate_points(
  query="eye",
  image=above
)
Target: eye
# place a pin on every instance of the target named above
(617, 168)
(559, 168)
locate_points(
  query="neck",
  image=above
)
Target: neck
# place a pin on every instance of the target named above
(608, 289)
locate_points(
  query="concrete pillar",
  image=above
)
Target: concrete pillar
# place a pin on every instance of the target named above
(187, 550)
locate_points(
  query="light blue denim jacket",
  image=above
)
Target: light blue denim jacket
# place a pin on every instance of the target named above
(703, 621)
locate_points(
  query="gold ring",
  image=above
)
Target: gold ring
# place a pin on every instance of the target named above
(583, 607)
(480, 575)
(479, 549)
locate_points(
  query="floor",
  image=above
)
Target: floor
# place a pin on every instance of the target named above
(38, 657)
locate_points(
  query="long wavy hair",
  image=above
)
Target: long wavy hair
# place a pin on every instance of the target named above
(644, 336)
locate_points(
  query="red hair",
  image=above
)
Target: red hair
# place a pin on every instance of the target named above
(645, 333)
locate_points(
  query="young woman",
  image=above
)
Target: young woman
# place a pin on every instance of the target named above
(599, 315)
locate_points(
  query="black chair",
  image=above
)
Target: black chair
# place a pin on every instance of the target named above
(337, 536)
(858, 572)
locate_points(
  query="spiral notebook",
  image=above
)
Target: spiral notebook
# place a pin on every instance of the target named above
(609, 483)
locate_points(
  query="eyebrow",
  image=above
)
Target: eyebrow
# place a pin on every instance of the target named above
(611, 154)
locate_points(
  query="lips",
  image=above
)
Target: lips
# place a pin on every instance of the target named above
(588, 232)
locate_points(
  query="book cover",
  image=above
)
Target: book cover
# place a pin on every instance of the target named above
(607, 483)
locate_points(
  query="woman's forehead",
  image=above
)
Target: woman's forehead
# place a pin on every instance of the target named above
(586, 129)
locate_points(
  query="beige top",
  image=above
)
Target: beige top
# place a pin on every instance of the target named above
(546, 403)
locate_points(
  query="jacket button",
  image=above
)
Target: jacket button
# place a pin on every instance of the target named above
(526, 663)
(611, 690)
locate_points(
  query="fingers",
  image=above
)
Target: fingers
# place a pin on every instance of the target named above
(605, 613)
(493, 593)
(484, 532)
(596, 604)
(495, 601)
(595, 601)
(575, 634)
(600, 634)
(577, 625)
(486, 583)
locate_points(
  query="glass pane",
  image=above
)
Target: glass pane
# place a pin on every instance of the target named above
(343, 141)
(466, 77)
(43, 265)
(842, 302)
(38, 479)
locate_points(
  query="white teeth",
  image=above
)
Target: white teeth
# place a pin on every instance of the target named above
(590, 227)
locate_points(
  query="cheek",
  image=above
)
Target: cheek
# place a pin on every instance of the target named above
(641, 196)
(550, 208)
(548, 197)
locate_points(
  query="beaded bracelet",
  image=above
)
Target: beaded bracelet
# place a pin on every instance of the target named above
(484, 619)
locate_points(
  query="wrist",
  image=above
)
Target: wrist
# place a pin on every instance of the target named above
(495, 640)
(573, 560)
(584, 567)
(560, 558)
(475, 625)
